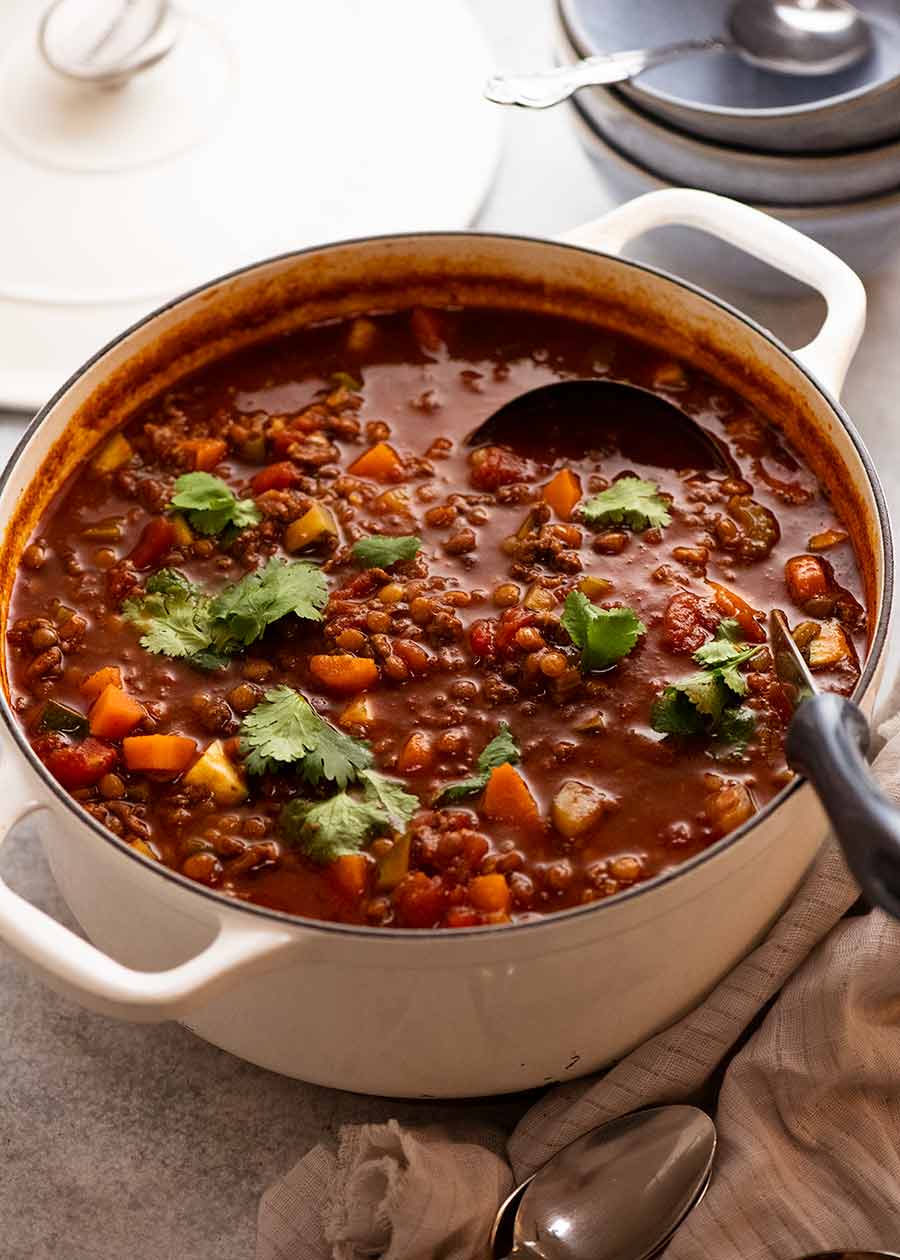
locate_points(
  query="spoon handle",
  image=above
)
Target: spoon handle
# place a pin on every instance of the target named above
(549, 87)
(826, 742)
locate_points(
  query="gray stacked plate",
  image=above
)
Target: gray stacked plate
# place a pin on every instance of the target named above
(822, 153)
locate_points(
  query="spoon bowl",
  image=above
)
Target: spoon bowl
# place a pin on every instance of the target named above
(795, 37)
(630, 1182)
(568, 419)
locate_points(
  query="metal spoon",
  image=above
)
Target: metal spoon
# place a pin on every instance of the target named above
(567, 419)
(619, 1192)
(806, 37)
(106, 42)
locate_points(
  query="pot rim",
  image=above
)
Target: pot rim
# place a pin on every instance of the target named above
(575, 30)
(558, 917)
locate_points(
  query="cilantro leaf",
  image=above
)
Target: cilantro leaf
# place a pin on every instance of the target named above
(707, 702)
(172, 614)
(398, 804)
(628, 501)
(332, 828)
(736, 727)
(241, 612)
(336, 757)
(380, 551)
(210, 504)
(342, 823)
(722, 648)
(604, 635)
(502, 748)
(285, 730)
(180, 620)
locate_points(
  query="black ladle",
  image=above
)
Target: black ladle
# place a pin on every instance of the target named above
(828, 734)
(570, 419)
(826, 742)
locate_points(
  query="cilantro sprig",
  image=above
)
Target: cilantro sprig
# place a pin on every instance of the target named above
(380, 551)
(180, 620)
(709, 702)
(605, 635)
(285, 730)
(210, 504)
(629, 501)
(502, 748)
(330, 829)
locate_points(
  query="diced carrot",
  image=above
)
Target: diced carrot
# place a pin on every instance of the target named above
(489, 892)
(351, 873)
(280, 476)
(207, 452)
(806, 577)
(380, 463)
(507, 797)
(344, 675)
(169, 754)
(81, 766)
(416, 754)
(157, 537)
(563, 492)
(94, 683)
(461, 916)
(113, 714)
(419, 900)
(733, 606)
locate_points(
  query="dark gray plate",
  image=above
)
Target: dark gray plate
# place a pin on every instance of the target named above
(720, 97)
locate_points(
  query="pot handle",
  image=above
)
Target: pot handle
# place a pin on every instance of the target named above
(78, 970)
(830, 353)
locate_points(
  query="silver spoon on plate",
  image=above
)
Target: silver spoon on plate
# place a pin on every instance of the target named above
(804, 37)
(627, 1184)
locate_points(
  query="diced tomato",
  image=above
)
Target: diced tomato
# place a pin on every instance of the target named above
(483, 637)
(419, 901)
(81, 765)
(687, 621)
(510, 623)
(279, 476)
(157, 537)
(493, 466)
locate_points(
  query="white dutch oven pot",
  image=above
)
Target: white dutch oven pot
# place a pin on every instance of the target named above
(481, 1010)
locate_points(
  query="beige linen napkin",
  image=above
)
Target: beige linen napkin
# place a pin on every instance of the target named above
(808, 1113)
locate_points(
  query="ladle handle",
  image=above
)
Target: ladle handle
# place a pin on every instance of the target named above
(826, 742)
(830, 353)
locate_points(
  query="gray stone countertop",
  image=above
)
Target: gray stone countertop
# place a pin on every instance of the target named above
(143, 1142)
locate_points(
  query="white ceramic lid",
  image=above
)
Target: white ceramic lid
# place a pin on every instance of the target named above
(272, 126)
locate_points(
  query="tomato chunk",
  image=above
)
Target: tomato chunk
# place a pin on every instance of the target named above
(419, 900)
(157, 537)
(81, 765)
(279, 476)
(494, 466)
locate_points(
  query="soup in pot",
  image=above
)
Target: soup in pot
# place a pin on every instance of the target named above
(287, 634)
